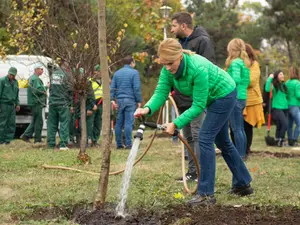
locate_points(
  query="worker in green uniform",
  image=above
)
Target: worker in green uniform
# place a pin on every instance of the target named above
(36, 98)
(97, 115)
(9, 104)
(75, 124)
(90, 108)
(60, 106)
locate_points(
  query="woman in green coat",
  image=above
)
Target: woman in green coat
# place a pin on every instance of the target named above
(279, 104)
(212, 88)
(293, 97)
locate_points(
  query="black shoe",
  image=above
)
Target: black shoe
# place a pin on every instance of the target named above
(188, 177)
(120, 147)
(94, 144)
(24, 138)
(241, 191)
(128, 147)
(202, 200)
(291, 142)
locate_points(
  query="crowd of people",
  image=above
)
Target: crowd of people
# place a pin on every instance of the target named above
(222, 99)
(211, 101)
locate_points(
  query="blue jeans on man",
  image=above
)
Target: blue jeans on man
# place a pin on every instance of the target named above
(125, 119)
(236, 120)
(294, 116)
(215, 130)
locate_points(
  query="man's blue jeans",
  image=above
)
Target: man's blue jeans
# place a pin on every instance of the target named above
(294, 116)
(125, 119)
(236, 120)
(215, 130)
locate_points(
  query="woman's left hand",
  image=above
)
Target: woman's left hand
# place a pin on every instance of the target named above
(170, 128)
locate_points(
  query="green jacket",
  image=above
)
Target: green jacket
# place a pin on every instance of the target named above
(279, 98)
(36, 91)
(200, 79)
(241, 75)
(61, 93)
(90, 100)
(293, 96)
(9, 91)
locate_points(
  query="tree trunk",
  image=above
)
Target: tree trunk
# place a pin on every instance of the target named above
(83, 156)
(105, 166)
(290, 53)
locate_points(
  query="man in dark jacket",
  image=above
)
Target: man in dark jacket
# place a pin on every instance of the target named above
(197, 40)
(125, 93)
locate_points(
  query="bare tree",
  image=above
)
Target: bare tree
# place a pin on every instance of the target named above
(104, 175)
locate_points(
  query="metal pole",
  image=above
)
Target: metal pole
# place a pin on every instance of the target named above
(165, 32)
(166, 108)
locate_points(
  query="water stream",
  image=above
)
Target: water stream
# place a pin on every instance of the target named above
(126, 178)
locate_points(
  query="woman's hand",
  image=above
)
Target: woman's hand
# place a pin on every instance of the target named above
(170, 128)
(271, 75)
(141, 111)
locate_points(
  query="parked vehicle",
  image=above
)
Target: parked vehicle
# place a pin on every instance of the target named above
(25, 66)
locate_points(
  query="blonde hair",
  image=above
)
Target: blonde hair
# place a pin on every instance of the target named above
(294, 73)
(170, 49)
(237, 49)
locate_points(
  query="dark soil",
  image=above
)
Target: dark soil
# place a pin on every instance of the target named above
(272, 154)
(183, 215)
(276, 154)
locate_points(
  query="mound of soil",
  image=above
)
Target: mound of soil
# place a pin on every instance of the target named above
(212, 215)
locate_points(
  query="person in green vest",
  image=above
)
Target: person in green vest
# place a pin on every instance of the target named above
(293, 97)
(279, 105)
(9, 104)
(60, 107)
(36, 99)
(96, 118)
(212, 88)
(90, 108)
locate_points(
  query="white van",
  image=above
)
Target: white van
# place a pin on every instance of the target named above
(25, 66)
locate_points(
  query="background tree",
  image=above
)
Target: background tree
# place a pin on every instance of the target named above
(283, 19)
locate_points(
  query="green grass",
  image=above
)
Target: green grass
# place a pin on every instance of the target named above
(25, 187)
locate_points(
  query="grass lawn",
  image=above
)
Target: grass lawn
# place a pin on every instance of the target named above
(26, 189)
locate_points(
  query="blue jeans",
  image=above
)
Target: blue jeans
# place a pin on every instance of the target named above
(215, 130)
(125, 119)
(294, 116)
(236, 119)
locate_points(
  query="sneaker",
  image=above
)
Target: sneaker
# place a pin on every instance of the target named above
(24, 138)
(188, 177)
(63, 148)
(202, 200)
(241, 190)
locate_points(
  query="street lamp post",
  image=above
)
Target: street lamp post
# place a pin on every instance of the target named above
(165, 11)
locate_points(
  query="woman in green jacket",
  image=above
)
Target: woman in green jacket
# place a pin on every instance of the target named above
(293, 97)
(212, 88)
(279, 104)
(237, 66)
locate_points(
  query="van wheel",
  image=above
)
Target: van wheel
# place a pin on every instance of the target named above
(20, 131)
